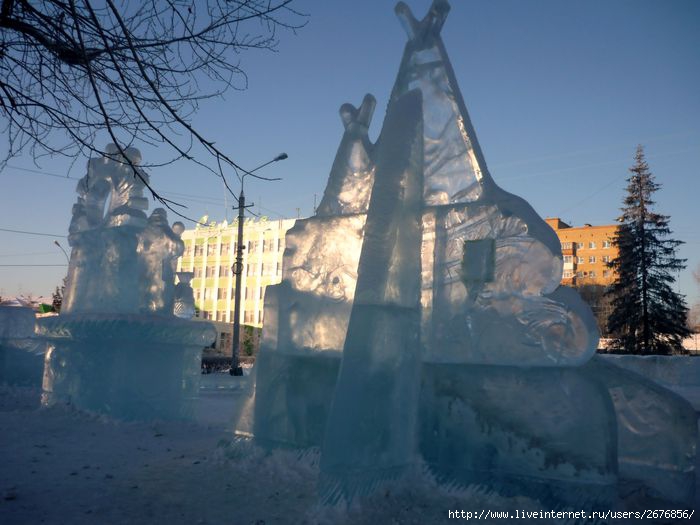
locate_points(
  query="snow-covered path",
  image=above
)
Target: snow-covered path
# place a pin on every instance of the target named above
(61, 466)
(58, 465)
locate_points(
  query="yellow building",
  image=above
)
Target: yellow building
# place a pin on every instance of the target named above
(210, 252)
(587, 250)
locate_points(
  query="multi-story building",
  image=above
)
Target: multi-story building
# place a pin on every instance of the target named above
(587, 250)
(210, 252)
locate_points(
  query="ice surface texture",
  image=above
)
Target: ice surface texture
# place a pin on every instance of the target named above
(420, 315)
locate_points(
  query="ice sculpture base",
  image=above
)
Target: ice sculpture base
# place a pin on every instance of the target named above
(561, 435)
(21, 354)
(126, 366)
(22, 362)
(293, 401)
(544, 433)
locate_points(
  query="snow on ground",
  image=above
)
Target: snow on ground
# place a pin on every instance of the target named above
(59, 465)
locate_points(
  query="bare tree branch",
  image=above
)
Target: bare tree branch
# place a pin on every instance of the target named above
(137, 71)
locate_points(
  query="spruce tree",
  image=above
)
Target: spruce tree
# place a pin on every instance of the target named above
(648, 317)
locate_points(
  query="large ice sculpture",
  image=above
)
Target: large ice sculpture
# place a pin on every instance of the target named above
(428, 322)
(117, 325)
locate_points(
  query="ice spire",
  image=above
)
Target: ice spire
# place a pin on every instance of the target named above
(455, 170)
(350, 181)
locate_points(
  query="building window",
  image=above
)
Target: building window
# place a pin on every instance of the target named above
(199, 250)
(198, 272)
(221, 295)
(249, 317)
(579, 246)
(211, 249)
(250, 294)
(591, 245)
(579, 274)
(224, 248)
(568, 274)
(606, 258)
(606, 273)
(223, 271)
(188, 250)
(207, 294)
(211, 271)
(591, 258)
(580, 260)
(262, 292)
(566, 246)
(606, 244)
(220, 316)
(568, 259)
(591, 273)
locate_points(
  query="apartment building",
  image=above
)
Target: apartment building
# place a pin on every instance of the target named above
(210, 252)
(587, 250)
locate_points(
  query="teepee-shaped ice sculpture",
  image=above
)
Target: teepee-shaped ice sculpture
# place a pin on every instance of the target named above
(420, 316)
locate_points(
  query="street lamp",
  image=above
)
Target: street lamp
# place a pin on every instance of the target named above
(64, 251)
(237, 268)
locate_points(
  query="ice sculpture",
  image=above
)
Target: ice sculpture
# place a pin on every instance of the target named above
(184, 296)
(21, 353)
(428, 322)
(381, 354)
(117, 325)
(307, 315)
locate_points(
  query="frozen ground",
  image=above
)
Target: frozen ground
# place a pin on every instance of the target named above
(58, 465)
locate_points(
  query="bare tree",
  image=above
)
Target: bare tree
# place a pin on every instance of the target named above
(70, 69)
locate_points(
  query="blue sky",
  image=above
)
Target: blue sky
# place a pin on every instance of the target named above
(559, 92)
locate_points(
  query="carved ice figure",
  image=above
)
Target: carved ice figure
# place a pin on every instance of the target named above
(159, 247)
(121, 262)
(350, 181)
(184, 296)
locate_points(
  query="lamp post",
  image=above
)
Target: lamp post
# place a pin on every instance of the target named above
(64, 251)
(237, 268)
